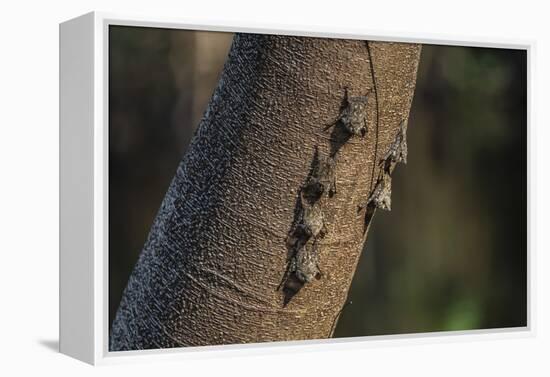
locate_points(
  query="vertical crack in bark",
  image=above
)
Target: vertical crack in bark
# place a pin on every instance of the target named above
(371, 63)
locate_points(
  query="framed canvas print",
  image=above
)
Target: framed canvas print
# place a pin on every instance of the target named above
(225, 188)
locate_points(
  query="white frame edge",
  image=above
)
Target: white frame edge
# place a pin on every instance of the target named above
(84, 190)
(76, 182)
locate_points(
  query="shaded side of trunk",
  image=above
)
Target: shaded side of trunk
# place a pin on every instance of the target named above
(218, 249)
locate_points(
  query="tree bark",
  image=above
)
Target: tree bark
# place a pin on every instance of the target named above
(212, 268)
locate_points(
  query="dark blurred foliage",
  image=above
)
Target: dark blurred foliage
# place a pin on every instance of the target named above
(452, 253)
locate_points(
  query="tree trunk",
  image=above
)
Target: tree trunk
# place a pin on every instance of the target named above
(222, 262)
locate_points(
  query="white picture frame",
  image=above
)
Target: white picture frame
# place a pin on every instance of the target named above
(84, 190)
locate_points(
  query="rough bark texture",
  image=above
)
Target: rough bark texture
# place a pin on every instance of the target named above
(217, 251)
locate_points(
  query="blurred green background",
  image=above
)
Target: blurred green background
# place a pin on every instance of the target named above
(452, 253)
